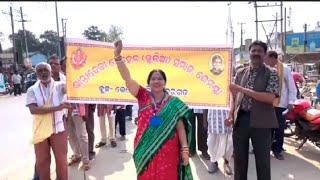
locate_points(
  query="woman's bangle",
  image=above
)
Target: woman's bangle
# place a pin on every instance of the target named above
(186, 152)
(118, 58)
(185, 149)
(119, 61)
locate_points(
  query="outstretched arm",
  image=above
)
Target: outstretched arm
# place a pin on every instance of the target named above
(132, 85)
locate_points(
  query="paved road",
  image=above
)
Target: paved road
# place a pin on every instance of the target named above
(17, 157)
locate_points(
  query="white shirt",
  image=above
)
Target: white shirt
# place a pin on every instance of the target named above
(62, 77)
(216, 119)
(16, 78)
(288, 91)
(64, 98)
(38, 94)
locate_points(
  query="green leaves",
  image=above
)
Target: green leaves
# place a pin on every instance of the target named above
(94, 33)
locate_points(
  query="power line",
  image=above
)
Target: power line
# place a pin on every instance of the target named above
(269, 20)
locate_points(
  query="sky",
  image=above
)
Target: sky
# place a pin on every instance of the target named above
(156, 23)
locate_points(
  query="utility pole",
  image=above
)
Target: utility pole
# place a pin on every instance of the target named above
(58, 40)
(241, 36)
(13, 36)
(24, 32)
(285, 36)
(229, 29)
(305, 38)
(276, 34)
(281, 25)
(241, 42)
(256, 11)
(64, 26)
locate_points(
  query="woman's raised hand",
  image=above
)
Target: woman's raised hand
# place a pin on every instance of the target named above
(117, 48)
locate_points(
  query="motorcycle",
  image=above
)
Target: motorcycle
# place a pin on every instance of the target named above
(303, 122)
(9, 89)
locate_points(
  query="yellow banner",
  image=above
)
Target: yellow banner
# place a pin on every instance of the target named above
(199, 76)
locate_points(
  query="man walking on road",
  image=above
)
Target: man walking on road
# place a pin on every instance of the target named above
(16, 78)
(254, 92)
(106, 110)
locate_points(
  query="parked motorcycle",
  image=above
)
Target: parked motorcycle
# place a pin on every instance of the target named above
(304, 122)
(9, 89)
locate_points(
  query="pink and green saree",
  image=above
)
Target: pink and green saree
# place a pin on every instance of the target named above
(157, 149)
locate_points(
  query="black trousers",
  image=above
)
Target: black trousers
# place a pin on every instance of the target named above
(89, 119)
(278, 134)
(17, 89)
(120, 119)
(202, 134)
(129, 110)
(261, 142)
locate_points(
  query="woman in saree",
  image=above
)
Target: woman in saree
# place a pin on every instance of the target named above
(161, 144)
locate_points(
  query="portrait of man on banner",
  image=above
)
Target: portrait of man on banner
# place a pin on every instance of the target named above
(216, 64)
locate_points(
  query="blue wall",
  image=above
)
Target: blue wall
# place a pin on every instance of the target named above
(37, 58)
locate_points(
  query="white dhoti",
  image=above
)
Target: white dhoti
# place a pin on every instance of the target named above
(220, 145)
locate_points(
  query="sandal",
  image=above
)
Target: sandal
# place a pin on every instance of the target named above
(100, 144)
(113, 143)
(74, 160)
(85, 166)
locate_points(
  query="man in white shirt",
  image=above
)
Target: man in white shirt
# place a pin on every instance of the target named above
(287, 97)
(44, 99)
(54, 62)
(76, 126)
(106, 111)
(16, 78)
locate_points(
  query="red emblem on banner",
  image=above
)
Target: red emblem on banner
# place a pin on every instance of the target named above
(78, 59)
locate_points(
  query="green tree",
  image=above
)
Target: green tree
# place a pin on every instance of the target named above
(115, 33)
(93, 33)
(32, 41)
(49, 40)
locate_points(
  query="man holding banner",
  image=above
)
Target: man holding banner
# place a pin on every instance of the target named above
(44, 100)
(254, 91)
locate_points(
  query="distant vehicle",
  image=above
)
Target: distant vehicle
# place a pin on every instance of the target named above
(30, 79)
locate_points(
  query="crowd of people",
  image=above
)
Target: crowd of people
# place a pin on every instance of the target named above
(165, 138)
